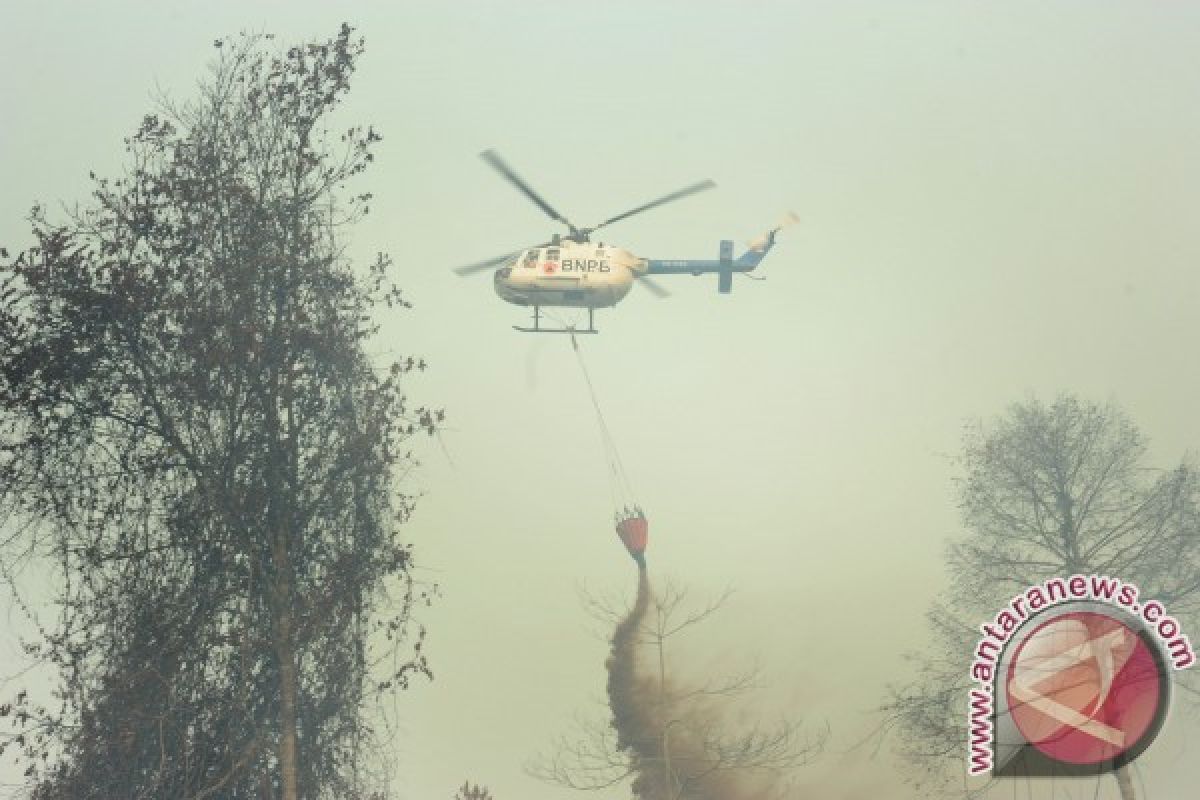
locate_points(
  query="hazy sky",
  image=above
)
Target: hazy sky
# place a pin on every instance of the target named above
(996, 199)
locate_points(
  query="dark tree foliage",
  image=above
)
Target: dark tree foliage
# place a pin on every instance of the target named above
(190, 427)
(470, 791)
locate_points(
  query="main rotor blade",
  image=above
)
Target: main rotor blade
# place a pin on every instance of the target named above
(655, 288)
(497, 163)
(670, 198)
(480, 266)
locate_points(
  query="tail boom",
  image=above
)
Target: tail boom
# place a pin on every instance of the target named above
(725, 265)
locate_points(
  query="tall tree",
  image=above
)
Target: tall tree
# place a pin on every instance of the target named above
(1045, 491)
(193, 430)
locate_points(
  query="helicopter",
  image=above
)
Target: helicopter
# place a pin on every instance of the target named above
(572, 271)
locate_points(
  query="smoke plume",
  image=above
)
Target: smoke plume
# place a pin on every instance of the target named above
(632, 699)
(640, 705)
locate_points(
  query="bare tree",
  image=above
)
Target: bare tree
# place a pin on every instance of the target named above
(192, 431)
(1045, 491)
(672, 738)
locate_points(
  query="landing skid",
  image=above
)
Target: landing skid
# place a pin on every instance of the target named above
(537, 325)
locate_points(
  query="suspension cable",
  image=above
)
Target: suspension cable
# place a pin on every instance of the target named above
(618, 476)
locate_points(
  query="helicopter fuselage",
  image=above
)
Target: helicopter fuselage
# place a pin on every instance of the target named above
(571, 271)
(570, 274)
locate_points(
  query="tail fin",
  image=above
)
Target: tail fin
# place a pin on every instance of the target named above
(763, 243)
(758, 248)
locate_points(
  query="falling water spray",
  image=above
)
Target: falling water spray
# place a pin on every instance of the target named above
(636, 716)
(669, 741)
